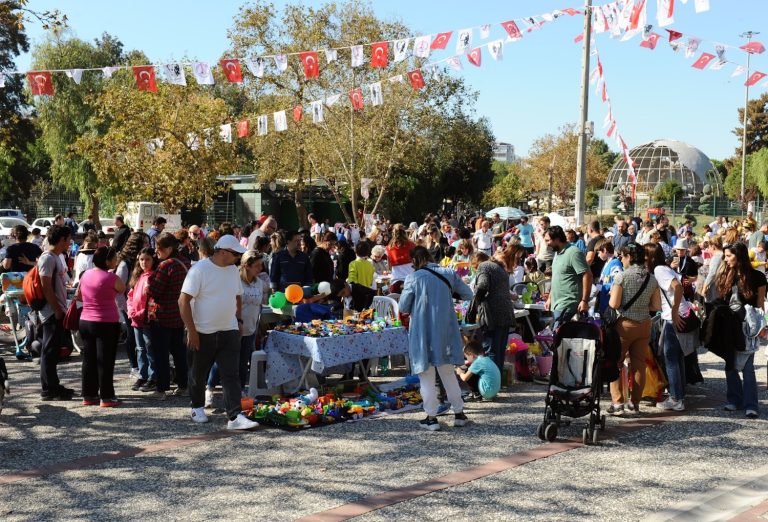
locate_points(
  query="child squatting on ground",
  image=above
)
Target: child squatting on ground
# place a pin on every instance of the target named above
(483, 376)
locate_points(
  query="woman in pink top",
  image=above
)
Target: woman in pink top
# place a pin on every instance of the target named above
(100, 327)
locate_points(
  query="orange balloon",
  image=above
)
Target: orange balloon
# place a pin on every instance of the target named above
(294, 294)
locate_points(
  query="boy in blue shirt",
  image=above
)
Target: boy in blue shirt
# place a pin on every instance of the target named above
(611, 267)
(483, 376)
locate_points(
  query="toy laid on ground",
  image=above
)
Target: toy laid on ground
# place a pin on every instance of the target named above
(314, 410)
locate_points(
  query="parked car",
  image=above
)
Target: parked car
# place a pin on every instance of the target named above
(6, 227)
(107, 226)
(12, 212)
(43, 224)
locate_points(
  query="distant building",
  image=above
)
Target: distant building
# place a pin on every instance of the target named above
(504, 152)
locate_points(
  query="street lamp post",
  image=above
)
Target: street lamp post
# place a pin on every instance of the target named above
(748, 35)
(581, 159)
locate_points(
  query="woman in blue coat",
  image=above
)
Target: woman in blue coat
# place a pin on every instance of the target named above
(434, 338)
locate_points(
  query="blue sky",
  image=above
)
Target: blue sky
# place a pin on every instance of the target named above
(533, 91)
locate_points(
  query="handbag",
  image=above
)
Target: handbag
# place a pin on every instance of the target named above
(691, 322)
(72, 317)
(611, 315)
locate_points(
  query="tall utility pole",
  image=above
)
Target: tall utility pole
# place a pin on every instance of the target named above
(748, 35)
(581, 159)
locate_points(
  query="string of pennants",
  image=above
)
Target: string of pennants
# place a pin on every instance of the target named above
(597, 78)
(628, 18)
(40, 82)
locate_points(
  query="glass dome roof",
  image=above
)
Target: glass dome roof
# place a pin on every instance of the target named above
(659, 160)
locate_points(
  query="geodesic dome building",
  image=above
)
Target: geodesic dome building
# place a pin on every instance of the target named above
(659, 160)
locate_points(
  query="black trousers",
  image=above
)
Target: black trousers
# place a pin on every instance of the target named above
(53, 335)
(99, 350)
(223, 348)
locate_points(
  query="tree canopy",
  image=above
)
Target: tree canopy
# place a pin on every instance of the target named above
(757, 125)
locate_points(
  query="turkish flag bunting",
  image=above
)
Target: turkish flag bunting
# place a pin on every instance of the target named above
(475, 56)
(379, 53)
(604, 95)
(298, 112)
(703, 61)
(311, 64)
(651, 41)
(754, 78)
(512, 30)
(145, 78)
(40, 82)
(243, 129)
(356, 97)
(571, 11)
(416, 79)
(611, 129)
(634, 18)
(441, 40)
(753, 48)
(232, 70)
(578, 38)
(673, 35)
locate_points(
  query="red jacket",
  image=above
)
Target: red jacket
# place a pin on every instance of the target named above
(400, 255)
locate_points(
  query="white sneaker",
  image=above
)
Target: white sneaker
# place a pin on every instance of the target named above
(241, 423)
(208, 398)
(134, 374)
(198, 415)
(672, 404)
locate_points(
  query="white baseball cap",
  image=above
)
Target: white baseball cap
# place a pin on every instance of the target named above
(229, 242)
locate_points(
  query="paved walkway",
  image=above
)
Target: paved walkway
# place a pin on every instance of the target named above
(145, 460)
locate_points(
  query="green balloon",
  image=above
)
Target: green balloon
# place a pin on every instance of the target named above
(277, 300)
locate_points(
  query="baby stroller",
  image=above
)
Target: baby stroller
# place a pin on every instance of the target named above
(575, 380)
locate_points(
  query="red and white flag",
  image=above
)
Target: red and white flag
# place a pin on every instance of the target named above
(475, 56)
(753, 48)
(379, 52)
(40, 82)
(202, 73)
(673, 35)
(604, 94)
(611, 129)
(243, 129)
(703, 61)
(638, 17)
(651, 41)
(441, 40)
(421, 46)
(356, 97)
(512, 30)
(311, 64)
(701, 5)
(665, 10)
(231, 69)
(416, 79)
(754, 78)
(298, 112)
(145, 78)
(571, 11)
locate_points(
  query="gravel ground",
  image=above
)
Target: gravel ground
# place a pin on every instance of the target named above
(273, 475)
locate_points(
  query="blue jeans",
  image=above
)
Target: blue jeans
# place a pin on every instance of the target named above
(130, 340)
(742, 394)
(674, 362)
(143, 343)
(167, 342)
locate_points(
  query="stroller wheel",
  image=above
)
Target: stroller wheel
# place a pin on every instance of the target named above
(550, 432)
(585, 438)
(602, 422)
(540, 430)
(594, 437)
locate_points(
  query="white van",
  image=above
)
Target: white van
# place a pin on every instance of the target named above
(139, 215)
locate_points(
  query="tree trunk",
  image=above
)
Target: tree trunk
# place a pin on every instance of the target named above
(298, 193)
(95, 207)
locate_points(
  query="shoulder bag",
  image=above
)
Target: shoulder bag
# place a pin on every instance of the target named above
(611, 315)
(691, 322)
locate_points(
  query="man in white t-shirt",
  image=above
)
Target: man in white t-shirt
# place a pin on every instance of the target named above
(210, 305)
(483, 238)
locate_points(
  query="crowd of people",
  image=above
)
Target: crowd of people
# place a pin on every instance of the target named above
(195, 297)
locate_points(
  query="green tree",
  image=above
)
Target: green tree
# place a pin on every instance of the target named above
(668, 190)
(507, 186)
(757, 125)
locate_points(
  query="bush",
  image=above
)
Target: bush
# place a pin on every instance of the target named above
(705, 208)
(708, 189)
(688, 209)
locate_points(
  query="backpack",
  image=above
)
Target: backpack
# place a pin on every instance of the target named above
(33, 289)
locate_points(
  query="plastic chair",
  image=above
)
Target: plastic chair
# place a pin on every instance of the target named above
(257, 383)
(545, 286)
(385, 306)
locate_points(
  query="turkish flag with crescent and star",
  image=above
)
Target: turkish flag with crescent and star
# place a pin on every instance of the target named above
(232, 70)
(379, 56)
(651, 41)
(40, 82)
(356, 97)
(311, 64)
(754, 78)
(753, 48)
(673, 35)
(298, 112)
(703, 60)
(475, 57)
(243, 129)
(512, 30)
(441, 40)
(145, 78)
(416, 79)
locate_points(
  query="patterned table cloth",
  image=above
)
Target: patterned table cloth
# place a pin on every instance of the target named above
(283, 351)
